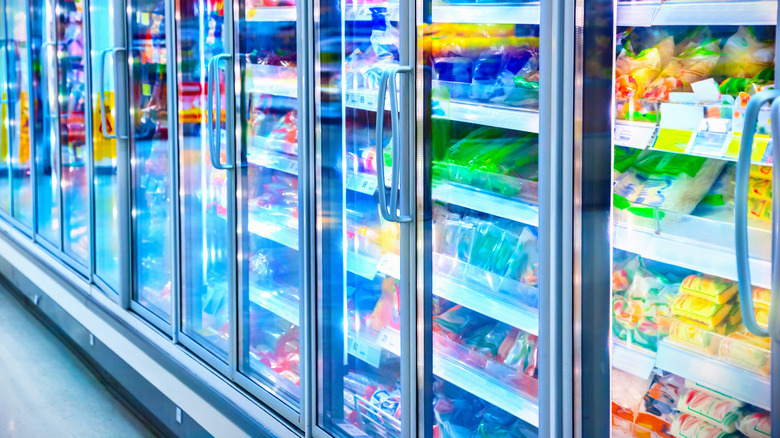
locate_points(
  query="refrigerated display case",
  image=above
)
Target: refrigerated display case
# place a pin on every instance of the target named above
(270, 211)
(73, 154)
(152, 158)
(203, 47)
(690, 351)
(17, 148)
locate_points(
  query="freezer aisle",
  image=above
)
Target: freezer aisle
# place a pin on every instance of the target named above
(687, 357)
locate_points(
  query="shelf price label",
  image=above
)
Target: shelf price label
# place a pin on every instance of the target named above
(361, 184)
(633, 136)
(364, 351)
(390, 265)
(390, 340)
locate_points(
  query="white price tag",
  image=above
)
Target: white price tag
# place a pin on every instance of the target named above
(365, 185)
(292, 166)
(390, 264)
(390, 340)
(371, 102)
(363, 13)
(364, 351)
(633, 136)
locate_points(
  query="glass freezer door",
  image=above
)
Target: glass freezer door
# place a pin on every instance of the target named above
(44, 76)
(151, 159)
(362, 219)
(205, 171)
(73, 153)
(269, 217)
(16, 18)
(108, 52)
(6, 108)
(694, 220)
(479, 74)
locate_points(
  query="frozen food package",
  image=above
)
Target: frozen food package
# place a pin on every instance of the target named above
(662, 397)
(756, 424)
(688, 334)
(524, 262)
(635, 73)
(711, 288)
(623, 271)
(524, 354)
(744, 56)
(719, 412)
(628, 390)
(692, 65)
(701, 310)
(689, 426)
(672, 182)
(694, 385)
(741, 350)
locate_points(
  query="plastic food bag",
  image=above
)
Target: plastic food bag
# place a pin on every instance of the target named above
(692, 65)
(635, 73)
(756, 425)
(744, 56)
(689, 426)
(719, 412)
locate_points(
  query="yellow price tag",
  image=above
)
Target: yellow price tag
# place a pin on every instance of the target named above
(760, 143)
(146, 89)
(145, 19)
(673, 140)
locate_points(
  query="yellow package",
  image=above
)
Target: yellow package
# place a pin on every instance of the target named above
(762, 318)
(709, 287)
(761, 172)
(762, 298)
(685, 332)
(760, 188)
(760, 209)
(738, 349)
(701, 310)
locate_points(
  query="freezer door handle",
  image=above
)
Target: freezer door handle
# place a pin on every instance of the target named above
(214, 128)
(390, 213)
(102, 91)
(741, 210)
(774, 304)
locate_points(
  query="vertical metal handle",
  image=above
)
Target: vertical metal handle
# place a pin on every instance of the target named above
(102, 91)
(390, 213)
(774, 304)
(214, 127)
(741, 211)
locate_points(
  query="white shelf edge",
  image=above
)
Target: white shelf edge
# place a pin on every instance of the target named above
(516, 119)
(632, 361)
(713, 13)
(487, 203)
(687, 254)
(514, 315)
(277, 305)
(506, 13)
(728, 379)
(273, 14)
(467, 378)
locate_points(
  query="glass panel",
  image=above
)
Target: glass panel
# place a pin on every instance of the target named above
(269, 217)
(359, 335)
(5, 112)
(73, 151)
(46, 126)
(104, 149)
(683, 362)
(152, 238)
(205, 264)
(481, 136)
(16, 16)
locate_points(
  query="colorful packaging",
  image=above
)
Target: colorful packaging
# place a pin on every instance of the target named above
(685, 332)
(689, 426)
(692, 65)
(662, 397)
(701, 310)
(711, 288)
(744, 56)
(719, 412)
(743, 351)
(756, 425)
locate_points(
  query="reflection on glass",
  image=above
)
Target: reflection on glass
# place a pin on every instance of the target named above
(46, 125)
(152, 239)
(269, 217)
(106, 189)
(73, 151)
(359, 302)
(19, 106)
(5, 140)
(205, 275)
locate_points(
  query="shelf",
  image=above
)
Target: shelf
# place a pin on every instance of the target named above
(676, 245)
(274, 13)
(273, 302)
(277, 233)
(632, 360)
(487, 13)
(483, 386)
(468, 378)
(516, 119)
(720, 376)
(259, 155)
(487, 202)
(488, 303)
(642, 135)
(713, 13)
(264, 82)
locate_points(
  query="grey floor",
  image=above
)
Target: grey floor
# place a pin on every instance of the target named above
(46, 391)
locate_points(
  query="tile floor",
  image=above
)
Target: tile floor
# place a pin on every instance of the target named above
(46, 391)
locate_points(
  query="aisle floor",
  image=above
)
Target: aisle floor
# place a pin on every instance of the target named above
(46, 390)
